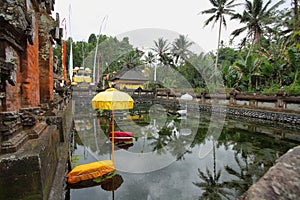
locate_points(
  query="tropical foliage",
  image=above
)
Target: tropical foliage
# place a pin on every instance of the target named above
(268, 57)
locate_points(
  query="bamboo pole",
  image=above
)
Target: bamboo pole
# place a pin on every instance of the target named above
(113, 138)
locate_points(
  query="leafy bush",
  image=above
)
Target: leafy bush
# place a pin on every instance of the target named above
(271, 91)
(292, 90)
(199, 90)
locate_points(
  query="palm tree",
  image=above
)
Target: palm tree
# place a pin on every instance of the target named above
(219, 10)
(180, 48)
(160, 142)
(161, 46)
(162, 50)
(131, 59)
(256, 18)
(150, 60)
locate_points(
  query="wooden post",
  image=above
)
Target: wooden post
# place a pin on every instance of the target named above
(279, 103)
(232, 97)
(203, 93)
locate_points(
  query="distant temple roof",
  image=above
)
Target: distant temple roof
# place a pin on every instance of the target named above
(129, 74)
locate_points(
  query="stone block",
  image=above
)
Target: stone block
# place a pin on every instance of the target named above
(17, 175)
(29, 172)
(29, 116)
(10, 125)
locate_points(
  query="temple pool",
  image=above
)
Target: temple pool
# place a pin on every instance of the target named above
(176, 157)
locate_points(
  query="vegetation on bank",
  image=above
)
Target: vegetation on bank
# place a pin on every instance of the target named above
(267, 59)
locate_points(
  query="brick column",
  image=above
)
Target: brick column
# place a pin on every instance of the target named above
(45, 58)
(30, 72)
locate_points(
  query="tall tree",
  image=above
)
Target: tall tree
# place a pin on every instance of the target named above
(180, 49)
(220, 9)
(150, 60)
(131, 59)
(296, 22)
(92, 39)
(161, 46)
(256, 18)
(162, 50)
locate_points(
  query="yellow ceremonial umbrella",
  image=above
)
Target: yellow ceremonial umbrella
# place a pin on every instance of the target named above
(112, 99)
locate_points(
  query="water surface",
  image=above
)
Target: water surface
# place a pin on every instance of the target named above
(175, 157)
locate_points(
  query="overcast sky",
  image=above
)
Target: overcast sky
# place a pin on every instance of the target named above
(123, 16)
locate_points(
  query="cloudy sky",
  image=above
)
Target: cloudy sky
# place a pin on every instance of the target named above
(130, 15)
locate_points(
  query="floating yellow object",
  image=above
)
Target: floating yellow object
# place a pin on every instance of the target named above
(90, 171)
(134, 117)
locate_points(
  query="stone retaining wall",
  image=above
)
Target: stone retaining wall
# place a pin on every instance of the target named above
(282, 117)
(31, 172)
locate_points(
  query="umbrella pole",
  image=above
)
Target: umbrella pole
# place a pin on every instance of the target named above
(113, 138)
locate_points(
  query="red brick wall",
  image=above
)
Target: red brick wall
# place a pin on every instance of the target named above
(30, 75)
(34, 65)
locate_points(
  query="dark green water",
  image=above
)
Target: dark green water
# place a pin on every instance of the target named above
(196, 157)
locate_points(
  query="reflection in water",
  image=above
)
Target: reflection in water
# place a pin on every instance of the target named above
(213, 187)
(110, 184)
(243, 174)
(176, 158)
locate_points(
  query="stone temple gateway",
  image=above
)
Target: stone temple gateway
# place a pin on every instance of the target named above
(34, 118)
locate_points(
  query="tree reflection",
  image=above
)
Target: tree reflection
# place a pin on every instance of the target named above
(178, 147)
(243, 175)
(199, 137)
(252, 162)
(214, 188)
(168, 139)
(159, 144)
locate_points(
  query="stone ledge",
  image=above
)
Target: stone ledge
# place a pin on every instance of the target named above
(282, 181)
(13, 144)
(37, 130)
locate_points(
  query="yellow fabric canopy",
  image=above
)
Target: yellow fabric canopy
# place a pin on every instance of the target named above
(112, 99)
